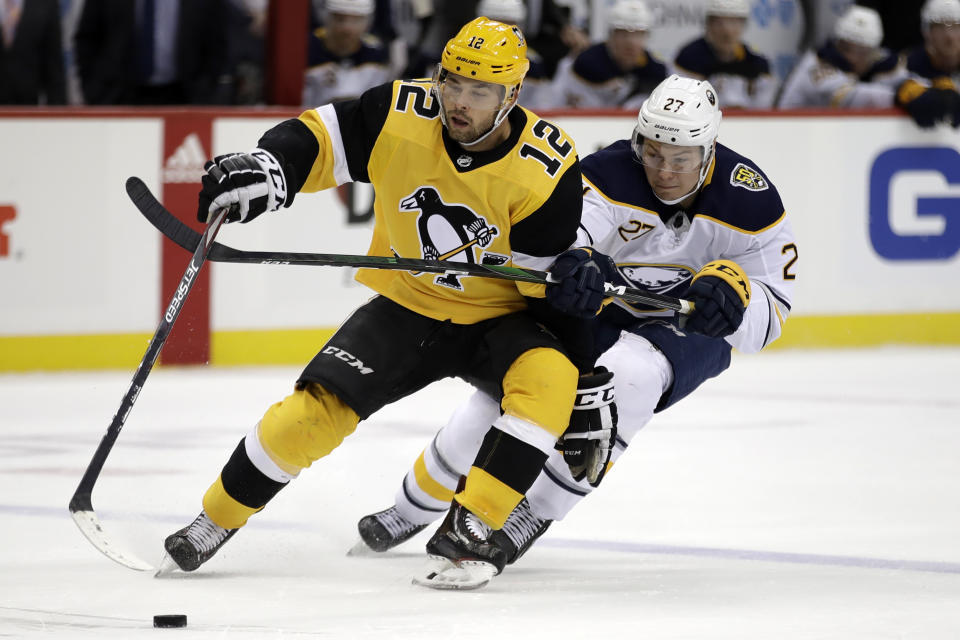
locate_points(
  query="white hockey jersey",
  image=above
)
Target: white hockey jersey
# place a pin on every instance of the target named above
(823, 78)
(737, 216)
(593, 80)
(331, 78)
(744, 83)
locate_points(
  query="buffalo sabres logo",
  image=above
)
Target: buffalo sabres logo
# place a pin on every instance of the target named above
(449, 232)
(657, 278)
(750, 179)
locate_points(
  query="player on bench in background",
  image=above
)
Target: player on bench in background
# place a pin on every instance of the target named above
(677, 213)
(930, 95)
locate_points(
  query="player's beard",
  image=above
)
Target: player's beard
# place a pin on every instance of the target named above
(466, 128)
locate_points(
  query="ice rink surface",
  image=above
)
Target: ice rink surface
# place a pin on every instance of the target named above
(809, 494)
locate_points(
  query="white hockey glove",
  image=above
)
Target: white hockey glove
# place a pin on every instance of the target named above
(481, 232)
(430, 252)
(588, 441)
(246, 183)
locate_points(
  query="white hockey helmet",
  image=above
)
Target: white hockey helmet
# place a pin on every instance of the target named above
(349, 7)
(684, 112)
(940, 12)
(728, 8)
(630, 15)
(507, 11)
(859, 25)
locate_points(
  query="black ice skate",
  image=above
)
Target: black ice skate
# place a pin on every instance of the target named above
(461, 552)
(193, 545)
(519, 532)
(384, 530)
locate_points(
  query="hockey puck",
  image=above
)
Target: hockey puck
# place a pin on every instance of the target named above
(170, 621)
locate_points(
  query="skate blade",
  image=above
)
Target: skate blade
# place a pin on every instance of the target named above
(167, 567)
(361, 550)
(442, 573)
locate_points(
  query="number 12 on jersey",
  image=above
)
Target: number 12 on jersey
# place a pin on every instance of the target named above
(551, 133)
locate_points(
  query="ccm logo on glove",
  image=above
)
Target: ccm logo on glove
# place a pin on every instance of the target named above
(247, 184)
(720, 293)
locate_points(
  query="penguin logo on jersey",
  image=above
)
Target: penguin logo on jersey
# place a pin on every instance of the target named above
(447, 231)
(750, 179)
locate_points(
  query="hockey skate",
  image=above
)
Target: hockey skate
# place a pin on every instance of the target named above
(462, 556)
(519, 532)
(193, 545)
(382, 531)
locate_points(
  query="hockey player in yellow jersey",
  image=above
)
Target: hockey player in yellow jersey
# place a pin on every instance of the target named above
(460, 173)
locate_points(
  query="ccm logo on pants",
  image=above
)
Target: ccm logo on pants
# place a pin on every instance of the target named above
(350, 359)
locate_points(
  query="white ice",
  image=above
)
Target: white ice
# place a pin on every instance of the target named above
(800, 495)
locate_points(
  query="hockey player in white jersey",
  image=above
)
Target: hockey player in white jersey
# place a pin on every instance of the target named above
(930, 95)
(741, 76)
(343, 60)
(850, 71)
(620, 72)
(670, 210)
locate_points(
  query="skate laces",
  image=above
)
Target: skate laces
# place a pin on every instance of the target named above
(522, 524)
(205, 534)
(393, 522)
(474, 526)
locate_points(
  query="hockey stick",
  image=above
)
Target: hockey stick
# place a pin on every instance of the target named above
(81, 506)
(185, 237)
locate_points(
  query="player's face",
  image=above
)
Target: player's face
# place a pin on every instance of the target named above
(671, 170)
(345, 31)
(859, 56)
(626, 47)
(725, 33)
(943, 41)
(470, 106)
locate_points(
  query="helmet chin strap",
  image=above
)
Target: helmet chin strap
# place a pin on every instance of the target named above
(501, 116)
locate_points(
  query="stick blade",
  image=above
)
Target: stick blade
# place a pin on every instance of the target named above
(90, 526)
(155, 213)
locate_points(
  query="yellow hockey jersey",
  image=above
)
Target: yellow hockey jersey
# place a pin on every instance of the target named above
(518, 204)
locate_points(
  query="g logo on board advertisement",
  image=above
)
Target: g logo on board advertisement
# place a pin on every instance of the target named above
(914, 208)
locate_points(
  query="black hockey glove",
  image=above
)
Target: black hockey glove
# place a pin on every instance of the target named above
(588, 441)
(951, 106)
(720, 293)
(580, 275)
(926, 106)
(246, 183)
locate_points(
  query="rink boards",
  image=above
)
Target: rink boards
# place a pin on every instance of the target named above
(875, 205)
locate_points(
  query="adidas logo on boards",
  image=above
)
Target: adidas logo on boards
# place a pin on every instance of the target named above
(185, 164)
